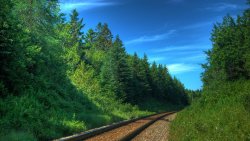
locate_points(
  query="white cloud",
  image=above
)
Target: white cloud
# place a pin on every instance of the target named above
(152, 59)
(150, 38)
(182, 68)
(194, 57)
(199, 25)
(182, 48)
(80, 5)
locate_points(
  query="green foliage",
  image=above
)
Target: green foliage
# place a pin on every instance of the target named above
(193, 95)
(55, 80)
(229, 57)
(104, 37)
(13, 53)
(221, 114)
(153, 104)
(115, 73)
(138, 81)
(18, 136)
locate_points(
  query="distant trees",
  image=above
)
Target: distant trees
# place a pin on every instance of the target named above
(193, 95)
(128, 77)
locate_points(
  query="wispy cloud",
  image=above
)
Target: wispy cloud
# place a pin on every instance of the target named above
(151, 38)
(182, 68)
(158, 58)
(199, 57)
(182, 48)
(199, 25)
(67, 6)
(223, 6)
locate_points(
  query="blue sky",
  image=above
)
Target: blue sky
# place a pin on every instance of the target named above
(171, 32)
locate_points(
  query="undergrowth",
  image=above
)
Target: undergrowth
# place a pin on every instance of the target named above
(221, 114)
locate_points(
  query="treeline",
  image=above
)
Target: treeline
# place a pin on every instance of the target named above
(56, 80)
(223, 110)
(128, 77)
(29, 42)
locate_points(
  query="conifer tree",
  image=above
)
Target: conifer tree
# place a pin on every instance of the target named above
(76, 26)
(89, 39)
(103, 37)
(154, 78)
(136, 82)
(116, 71)
(147, 78)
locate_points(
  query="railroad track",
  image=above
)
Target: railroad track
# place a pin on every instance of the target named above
(121, 131)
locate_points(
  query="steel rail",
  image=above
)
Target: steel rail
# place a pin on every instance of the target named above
(100, 130)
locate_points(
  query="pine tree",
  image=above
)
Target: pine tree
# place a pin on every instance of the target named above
(76, 26)
(116, 71)
(162, 82)
(71, 36)
(103, 37)
(136, 82)
(146, 77)
(89, 39)
(76, 39)
(140, 77)
(154, 78)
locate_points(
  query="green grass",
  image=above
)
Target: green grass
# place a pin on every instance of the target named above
(221, 114)
(46, 115)
(18, 136)
(28, 117)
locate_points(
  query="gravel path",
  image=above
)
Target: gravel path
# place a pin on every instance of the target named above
(120, 132)
(156, 132)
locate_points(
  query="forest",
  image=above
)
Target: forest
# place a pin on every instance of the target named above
(222, 111)
(56, 80)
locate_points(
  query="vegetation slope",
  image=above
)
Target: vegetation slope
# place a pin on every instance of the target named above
(223, 110)
(56, 80)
